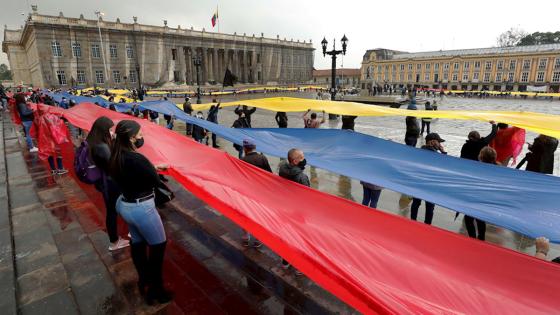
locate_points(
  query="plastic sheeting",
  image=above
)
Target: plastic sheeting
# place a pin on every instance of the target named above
(525, 202)
(537, 122)
(376, 262)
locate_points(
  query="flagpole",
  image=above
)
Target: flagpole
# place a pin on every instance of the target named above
(218, 16)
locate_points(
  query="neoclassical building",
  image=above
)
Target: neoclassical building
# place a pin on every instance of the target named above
(59, 51)
(497, 69)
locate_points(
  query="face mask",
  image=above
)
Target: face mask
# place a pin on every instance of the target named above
(139, 143)
(302, 164)
(199, 116)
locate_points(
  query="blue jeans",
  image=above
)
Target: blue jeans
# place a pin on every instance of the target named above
(371, 197)
(26, 128)
(144, 222)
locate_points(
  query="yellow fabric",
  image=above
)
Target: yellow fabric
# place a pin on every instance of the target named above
(537, 122)
(118, 98)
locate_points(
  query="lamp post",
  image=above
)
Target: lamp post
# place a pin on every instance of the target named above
(99, 15)
(333, 53)
(197, 63)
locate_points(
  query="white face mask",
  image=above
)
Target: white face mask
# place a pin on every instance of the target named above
(199, 116)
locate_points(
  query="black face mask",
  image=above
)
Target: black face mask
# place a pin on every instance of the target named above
(302, 164)
(139, 143)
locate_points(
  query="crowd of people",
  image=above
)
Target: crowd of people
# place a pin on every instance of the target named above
(132, 188)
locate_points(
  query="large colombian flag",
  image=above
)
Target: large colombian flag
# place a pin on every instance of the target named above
(215, 18)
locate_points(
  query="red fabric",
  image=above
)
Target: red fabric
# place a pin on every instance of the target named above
(374, 261)
(52, 130)
(14, 111)
(508, 143)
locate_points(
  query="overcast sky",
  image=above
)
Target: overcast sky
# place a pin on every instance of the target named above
(400, 25)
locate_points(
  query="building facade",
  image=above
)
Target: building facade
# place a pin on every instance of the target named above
(57, 51)
(345, 78)
(496, 69)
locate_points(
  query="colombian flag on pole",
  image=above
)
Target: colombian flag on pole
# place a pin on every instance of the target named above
(215, 18)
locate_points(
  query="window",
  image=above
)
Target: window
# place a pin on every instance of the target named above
(540, 76)
(557, 63)
(129, 52)
(512, 64)
(259, 61)
(486, 77)
(174, 54)
(394, 68)
(445, 66)
(409, 78)
(427, 77)
(379, 68)
(510, 76)
(526, 64)
(542, 64)
(475, 76)
(499, 77)
(418, 67)
(379, 77)
(95, 53)
(466, 65)
(500, 65)
(556, 76)
(99, 78)
(117, 76)
(477, 64)
(61, 77)
(402, 67)
(428, 65)
(455, 66)
(56, 50)
(386, 76)
(454, 77)
(445, 76)
(524, 76)
(402, 76)
(465, 77)
(409, 68)
(113, 50)
(488, 65)
(81, 76)
(436, 66)
(132, 76)
(76, 50)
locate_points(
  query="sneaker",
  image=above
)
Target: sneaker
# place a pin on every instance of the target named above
(34, 149)
(285, 265)
(257, 244)
(62, 171)
(120, 243)
(54, 172)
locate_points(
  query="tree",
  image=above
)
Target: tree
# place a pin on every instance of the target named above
(5, 73)
(511, 37)
(539, 38)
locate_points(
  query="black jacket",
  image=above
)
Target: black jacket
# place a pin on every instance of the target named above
(412, 128)
(471, 148)
(258, 160)
(187, 107)
(198, 133)
(213, 114)
(541, 156)
(241, 123)
(281, 119)
(246, 111)
(293, 173)
(348, 122)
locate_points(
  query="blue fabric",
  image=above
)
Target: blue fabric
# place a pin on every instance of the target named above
(525, 202)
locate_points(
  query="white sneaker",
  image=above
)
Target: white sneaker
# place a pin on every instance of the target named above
(120, 243)
(34, 149)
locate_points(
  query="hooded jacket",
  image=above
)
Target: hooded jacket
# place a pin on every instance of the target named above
(293, 173)
(471, 148)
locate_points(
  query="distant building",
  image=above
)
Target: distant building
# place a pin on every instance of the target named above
(498, 69)
(345, 78)
(58, 51)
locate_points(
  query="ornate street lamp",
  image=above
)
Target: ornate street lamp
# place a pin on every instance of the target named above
(333, 53)
(197, 63)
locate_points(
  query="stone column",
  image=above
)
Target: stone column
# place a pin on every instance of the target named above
(204, 68)
(244, 65)
(209, 55)
(216, 65)
(254, 66)
(188, 64)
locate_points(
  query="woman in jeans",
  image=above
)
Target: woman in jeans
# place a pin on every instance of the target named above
(138, 179)
(99, 141)
(26, 116)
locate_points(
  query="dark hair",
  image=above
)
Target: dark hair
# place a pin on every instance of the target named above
(502, 126)
(474, 135)
(99, 132)
(112, 107)
(125, 130)
(20, 98)
(487, 155)
(313, 115)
